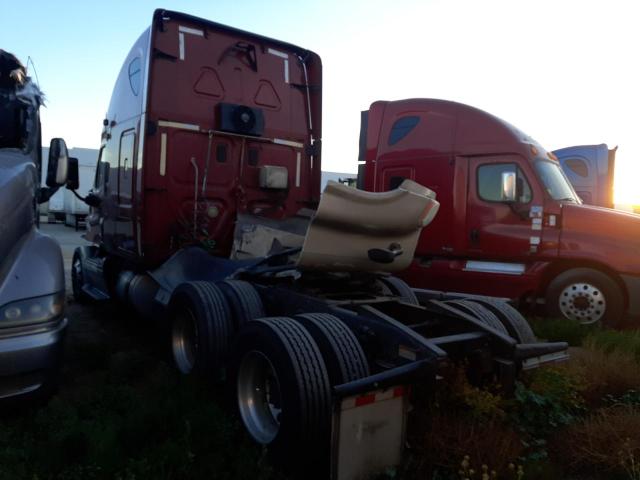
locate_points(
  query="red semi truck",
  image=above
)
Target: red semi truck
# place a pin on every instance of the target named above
(510, 224)
(201, 219)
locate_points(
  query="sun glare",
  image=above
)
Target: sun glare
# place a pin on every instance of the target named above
(626, 190)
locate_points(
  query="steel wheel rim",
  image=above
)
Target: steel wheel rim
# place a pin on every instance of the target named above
(582, 302)
(259, 397)
(184, 341)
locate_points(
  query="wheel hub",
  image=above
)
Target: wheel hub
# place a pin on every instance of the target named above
(582, 302)
(259, 397)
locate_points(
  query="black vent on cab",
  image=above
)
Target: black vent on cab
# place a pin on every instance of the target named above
(221, 153)
(253, 157)
(240, 119)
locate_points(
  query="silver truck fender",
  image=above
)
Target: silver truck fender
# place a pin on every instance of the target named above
(33, 268)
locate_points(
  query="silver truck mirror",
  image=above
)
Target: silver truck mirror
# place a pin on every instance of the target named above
(509, 187)
(58, 167)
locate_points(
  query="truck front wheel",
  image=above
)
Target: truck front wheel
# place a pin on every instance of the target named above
(77, 279)
(587, 296)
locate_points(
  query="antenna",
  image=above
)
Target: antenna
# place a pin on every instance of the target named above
(29, 59)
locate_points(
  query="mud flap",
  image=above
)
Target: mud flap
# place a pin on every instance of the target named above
(368, 433)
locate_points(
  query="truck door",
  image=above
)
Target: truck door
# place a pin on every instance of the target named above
(124, 226)
(498, 231)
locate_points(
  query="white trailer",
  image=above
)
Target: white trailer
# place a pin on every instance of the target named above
(76, 210)
(341, 177)
(64, 205)
(54, 208)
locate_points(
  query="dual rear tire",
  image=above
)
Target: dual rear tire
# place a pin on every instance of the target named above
(201, 327)
(498, 315)
(280, 369)
(283, 369)
(205, 317)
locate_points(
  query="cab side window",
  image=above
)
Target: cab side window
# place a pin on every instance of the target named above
(490, 182)
(577, 166)
(401, 128)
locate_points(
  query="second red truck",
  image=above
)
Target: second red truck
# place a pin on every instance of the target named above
(510, 224)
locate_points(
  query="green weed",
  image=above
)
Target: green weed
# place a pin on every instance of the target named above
(615, 341)
(549, 402)
(138, 421)
(561, 330)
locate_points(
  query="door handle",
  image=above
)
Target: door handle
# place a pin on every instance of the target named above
(474, 235)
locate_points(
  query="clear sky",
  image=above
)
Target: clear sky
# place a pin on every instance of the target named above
(565, 72)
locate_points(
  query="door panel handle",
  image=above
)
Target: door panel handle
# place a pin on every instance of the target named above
(474, 235)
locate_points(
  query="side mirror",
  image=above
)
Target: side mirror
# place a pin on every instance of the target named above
(508, 187)
(58, 167)
(73, 180)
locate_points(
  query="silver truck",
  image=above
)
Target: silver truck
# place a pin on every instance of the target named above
(32, 290)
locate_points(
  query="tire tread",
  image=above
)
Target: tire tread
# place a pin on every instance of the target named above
(482, 313)
(244, 300)
(218, 329)
(516, 324)
(401, 289)
(342, 343)
(311, 372)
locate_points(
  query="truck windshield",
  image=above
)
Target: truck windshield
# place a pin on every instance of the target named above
(555, 182)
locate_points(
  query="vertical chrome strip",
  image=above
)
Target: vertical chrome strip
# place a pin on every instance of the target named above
(297, 169)
(181, 43)
(181, 31)
(285, 57)
(163, 154)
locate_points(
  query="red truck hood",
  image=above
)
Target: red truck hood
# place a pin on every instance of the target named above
(602, 235)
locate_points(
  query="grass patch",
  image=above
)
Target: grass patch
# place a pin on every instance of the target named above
(137, 419)
(607, 441)
(561, 330)
(460, 428)
(600, 376)
(124, 414)
(615, 341)
(455, 442)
